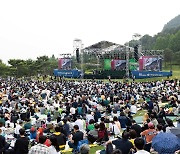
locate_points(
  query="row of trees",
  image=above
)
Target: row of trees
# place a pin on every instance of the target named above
(43, 65)
(17, 67)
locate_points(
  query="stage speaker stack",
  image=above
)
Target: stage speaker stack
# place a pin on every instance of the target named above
(77, 55)
(136, 53)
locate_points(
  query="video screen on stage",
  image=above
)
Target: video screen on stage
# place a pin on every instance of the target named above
(117, 64)
(64, 63)
(150, 63)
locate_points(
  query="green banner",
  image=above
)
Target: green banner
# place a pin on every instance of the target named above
(107, 64)
(133, 64)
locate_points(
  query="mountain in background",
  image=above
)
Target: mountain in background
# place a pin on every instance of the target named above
(172, 24)
(168, 40)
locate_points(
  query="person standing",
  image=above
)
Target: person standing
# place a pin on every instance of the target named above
(22, 143)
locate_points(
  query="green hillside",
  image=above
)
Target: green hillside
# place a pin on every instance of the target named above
(172, 24)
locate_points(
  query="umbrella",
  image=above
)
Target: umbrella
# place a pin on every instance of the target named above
(166, 143)
(175, 131)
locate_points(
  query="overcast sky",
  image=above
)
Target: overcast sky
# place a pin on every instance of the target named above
(31, 28)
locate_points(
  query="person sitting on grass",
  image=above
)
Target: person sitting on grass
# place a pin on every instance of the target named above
(122, 144)
(76, 137)
(93, 134)
(54, 148)
(139, 145)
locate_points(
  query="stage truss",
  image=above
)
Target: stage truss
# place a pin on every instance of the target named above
(122, 52)
(115, 52)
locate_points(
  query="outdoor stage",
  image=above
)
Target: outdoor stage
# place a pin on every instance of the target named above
(117, 62)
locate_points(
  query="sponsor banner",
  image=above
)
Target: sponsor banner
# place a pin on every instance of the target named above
(149, 74)
(67, 73)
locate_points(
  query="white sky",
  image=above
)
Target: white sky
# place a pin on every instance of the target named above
(31, 28)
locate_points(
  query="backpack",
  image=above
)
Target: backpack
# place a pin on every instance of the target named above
(101, 133)
(80, 143)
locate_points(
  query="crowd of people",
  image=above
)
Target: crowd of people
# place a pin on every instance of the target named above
(38, 117)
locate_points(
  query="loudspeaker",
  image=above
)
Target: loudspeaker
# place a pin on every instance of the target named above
(136, 53)
(77, 55)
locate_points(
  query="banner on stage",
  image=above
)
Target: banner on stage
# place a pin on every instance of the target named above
(64, 63)
(150, 63)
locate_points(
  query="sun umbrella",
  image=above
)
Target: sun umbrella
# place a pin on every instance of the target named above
(175, 131)
(166, 143)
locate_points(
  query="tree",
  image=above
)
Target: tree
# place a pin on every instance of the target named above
(177, 55)
(18, 66)
(168, 56)
(41, 64)
(174, 42)
(4, 69)
(162, 42)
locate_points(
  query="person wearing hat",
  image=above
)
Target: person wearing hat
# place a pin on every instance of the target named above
(149, 134)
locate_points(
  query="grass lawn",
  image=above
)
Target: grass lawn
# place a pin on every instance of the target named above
(140, 113)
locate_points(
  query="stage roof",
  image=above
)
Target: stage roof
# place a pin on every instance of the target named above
(103, 47)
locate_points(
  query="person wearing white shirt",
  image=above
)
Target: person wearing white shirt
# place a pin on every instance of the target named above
(114, 129)
(133, 108)
(89, 116)
(115, 126)
(18, 127)
(139, 145)
(80, 123)
(72, 110)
